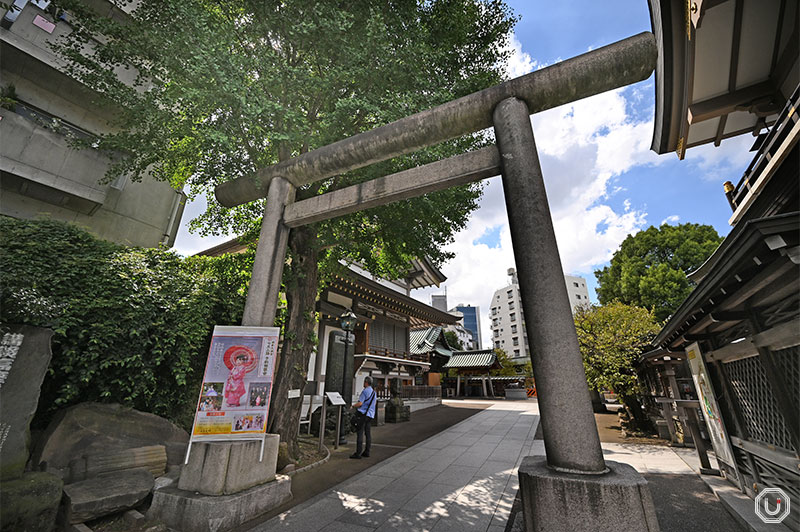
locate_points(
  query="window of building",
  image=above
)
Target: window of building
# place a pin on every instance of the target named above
(576, 285)
(513, 329)
(511, 305)
(497, 345)
(516, 353)
(516, 341)
(496, 333)
(510, 294)
(513, 316)
(578, 296)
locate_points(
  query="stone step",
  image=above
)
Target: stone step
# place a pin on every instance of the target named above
(106, 494)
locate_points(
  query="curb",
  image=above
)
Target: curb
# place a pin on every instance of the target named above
(739, 505)
(312, 466)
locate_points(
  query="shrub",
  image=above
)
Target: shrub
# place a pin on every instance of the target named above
(132, 325)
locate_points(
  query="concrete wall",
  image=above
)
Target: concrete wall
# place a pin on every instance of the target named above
(42, 175)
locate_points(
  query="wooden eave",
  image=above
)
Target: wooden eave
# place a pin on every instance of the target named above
(754, 268)
(725, 68)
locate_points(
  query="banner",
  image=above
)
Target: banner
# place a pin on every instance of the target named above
(709, 406)
(235, 394)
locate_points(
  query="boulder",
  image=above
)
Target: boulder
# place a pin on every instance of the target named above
(24, 358)
(94, 429)
(153, 458)
(30, 502)
(106, 494)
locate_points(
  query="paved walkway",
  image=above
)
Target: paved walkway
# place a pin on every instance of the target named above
(465, 479)
(462, 479)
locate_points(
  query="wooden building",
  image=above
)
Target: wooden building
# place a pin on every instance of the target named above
(386, 315)
(727, 68)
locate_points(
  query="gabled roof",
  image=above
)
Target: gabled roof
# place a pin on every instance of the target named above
(429, 339)
(484, 359)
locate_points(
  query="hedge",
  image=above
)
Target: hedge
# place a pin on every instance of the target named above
(132, 325)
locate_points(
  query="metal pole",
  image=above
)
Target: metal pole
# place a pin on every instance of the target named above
(570, 433)
(322, 422)
(265, 284)
(616, 65)
(338, 425)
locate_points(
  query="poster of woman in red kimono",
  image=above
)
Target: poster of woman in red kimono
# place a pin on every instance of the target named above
(236, 384)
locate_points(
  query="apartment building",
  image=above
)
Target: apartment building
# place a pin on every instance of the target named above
(508, 321)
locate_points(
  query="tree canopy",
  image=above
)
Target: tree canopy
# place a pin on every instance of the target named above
(212, 91)
(611, 338)
(649, 269)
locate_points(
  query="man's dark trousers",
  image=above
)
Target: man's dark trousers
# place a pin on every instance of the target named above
(365, 428)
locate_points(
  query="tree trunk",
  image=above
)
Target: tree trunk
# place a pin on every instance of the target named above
(299, 337)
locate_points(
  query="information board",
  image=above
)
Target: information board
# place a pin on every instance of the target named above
(709, 406)
(335, 398)
(237, 384)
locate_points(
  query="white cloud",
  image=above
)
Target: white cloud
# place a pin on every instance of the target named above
(670, 219)
(519, 62)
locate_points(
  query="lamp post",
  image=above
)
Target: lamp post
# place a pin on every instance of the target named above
(348, 322)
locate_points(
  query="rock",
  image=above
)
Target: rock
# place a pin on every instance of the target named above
(24, 358)
(396, 411)
(153, 458)
(168, 479)
(288, 469)
(106, 494)
(94, 429)
(283, 456)
(30, 502)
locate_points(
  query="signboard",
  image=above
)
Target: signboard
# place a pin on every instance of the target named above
(335, 398)
(235, 394)
(709, 406)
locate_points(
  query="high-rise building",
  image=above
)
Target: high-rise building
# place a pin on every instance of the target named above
(577, 290)
(439, 302)
(471, 322)
(508, 321)
(42, 173)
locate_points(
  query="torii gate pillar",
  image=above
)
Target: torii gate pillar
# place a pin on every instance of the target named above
(573, 488)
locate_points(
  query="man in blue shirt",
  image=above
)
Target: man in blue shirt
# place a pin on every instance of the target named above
(365, 408)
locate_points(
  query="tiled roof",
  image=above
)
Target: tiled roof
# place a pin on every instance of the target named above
(472, 359)
(425, 340)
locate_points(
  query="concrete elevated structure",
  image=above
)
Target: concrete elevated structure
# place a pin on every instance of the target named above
(41, 173)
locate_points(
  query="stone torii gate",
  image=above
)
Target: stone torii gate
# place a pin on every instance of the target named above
(574, 488)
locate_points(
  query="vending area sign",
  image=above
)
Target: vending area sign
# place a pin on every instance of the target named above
(235, 394)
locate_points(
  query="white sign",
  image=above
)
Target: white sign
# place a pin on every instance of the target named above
(335, 398)
(781, 502)
(294, 394)
(709, 406)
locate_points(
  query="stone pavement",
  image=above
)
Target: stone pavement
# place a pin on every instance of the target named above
(462, 479)
(465, 479)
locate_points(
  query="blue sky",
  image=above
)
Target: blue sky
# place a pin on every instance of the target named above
(602, 180)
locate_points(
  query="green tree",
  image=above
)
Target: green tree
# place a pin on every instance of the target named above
(212, 91)
(453, 341)
(611, 338)
(508, 369)
(649, 269)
